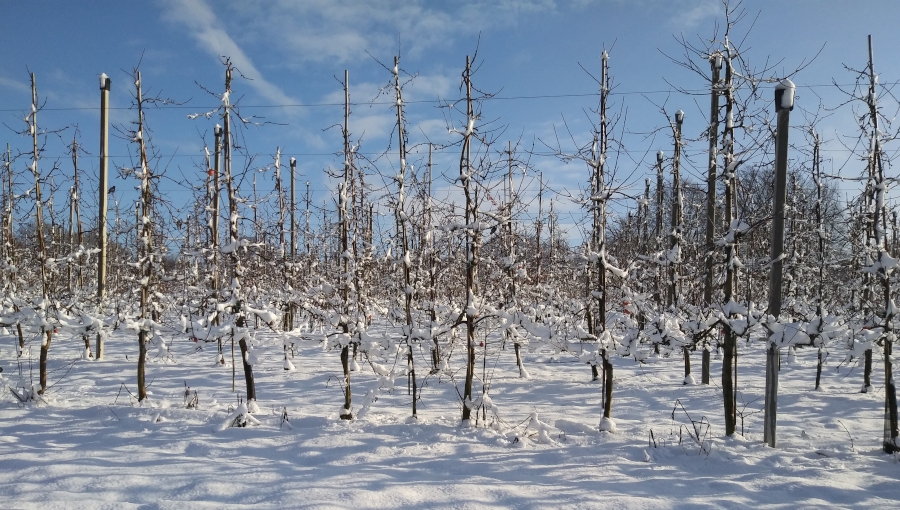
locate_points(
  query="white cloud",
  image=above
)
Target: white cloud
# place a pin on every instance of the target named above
(691, 16)
(325, 30)
(213, 36)
(20, 86)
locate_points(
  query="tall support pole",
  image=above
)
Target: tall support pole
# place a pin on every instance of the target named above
(715, 62)
(674, 256)
(293, 212)
(102, 195)
(675, 234)
(214, 220)
(281, 205)
(345, 279)
(784, 103)
(293, 266)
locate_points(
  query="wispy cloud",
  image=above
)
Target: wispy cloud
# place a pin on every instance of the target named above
(9, 83)
(692, 15)
(325, 30)
(212, 35)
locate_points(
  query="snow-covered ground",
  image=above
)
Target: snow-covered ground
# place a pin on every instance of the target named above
(90, 445)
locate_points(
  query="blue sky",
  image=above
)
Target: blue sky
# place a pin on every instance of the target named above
(293, 50)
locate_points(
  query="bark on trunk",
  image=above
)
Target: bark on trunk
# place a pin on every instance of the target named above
(248, 372)
(345, 363)
(141, 367)
(45, 350)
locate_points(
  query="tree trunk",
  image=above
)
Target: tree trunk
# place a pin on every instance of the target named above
(687, 364)
(519, 360)
(412, 375)
(819, 368)
(607, 386)
(705, 367)
(728, 382)
(87, 345)
(141, 365)
(867, 372)
(891, 428)
(470, 372)
(346, 414)
(465, 170)
(715, 65)
(45, 349)
(248, 372)
(103, 193)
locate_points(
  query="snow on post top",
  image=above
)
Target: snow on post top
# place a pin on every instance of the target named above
(784, 95)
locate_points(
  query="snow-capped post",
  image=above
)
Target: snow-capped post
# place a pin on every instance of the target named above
(279, 191)
(102, 195)
(715, 63)
(293, 212)
(292, 272)
(677, 212)
(784, 103)
(673, 258)
(213, 223)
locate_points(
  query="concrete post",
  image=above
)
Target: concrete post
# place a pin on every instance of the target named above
(103, 193)
(784, 103)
